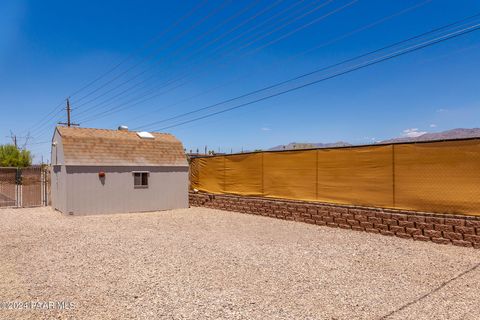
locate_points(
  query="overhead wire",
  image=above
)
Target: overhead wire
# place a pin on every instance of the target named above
(183, 76)
(357, 67)
(109, 102)
(142, 96)
(300, 17)
(322, 45)
(144, 47)
(109, 99)
(47, 119)
(115, 109)
(155, 54)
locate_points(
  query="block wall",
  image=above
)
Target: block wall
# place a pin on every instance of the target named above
(459, 230)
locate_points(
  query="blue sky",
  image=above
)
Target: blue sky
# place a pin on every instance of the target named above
(50, 49)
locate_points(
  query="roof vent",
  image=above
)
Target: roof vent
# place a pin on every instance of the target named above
(125, 128)
(145, 135)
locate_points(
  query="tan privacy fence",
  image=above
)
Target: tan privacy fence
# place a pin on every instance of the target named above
(439, 176)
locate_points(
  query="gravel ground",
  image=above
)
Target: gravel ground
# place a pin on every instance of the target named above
(200, 263)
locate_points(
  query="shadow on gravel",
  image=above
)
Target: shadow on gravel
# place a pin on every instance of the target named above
(430, 292)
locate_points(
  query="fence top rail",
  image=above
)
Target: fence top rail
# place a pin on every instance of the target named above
(340, 147)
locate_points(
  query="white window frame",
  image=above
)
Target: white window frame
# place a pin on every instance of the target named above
(141, 186)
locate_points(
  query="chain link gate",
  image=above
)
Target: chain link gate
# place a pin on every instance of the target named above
(8, 187)
(24, 187)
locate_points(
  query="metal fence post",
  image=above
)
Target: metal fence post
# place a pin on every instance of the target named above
(393, 175)
(18, 185)
(45, 185)
(224, 174)
(316, 174)
(262, 169)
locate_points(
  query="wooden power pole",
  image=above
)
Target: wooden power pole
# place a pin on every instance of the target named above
(14, 139)
(69, 110)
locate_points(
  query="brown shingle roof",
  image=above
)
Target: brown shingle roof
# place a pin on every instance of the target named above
(85, 146)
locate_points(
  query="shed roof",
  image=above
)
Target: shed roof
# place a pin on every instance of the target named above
(86, 146)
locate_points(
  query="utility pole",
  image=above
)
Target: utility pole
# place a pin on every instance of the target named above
(68, 123)
(14, 139)
(27, 138)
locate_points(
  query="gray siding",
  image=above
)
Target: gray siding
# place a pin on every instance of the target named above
(57, 156)
(80, 190)
(59, 175)
(90, 194)
(59, 188)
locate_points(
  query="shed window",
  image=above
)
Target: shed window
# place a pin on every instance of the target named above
(140, 179)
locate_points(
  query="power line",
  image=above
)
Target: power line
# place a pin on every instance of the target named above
(41, 131)
(143, 48)
(45, 120)
(126, 105)
(259, 25)
(38, 143)
(162, 85)
(45, 123)
(368, 26)
(46, 117)
(192, 27)
(355, 68)
(300, 17)
(112, 110)
(248, 7)
(150, 77)
(256, 26)
(302, 27)
(307, 74)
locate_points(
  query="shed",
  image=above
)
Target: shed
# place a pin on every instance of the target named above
(109, 171)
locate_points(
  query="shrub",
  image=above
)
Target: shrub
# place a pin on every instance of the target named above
(11, 156)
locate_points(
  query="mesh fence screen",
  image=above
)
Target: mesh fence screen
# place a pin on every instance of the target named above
(440, 176)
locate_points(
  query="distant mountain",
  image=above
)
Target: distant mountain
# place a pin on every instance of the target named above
(459, 133)
(303, 145)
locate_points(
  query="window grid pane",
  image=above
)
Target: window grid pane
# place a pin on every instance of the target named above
(137, 179)
(140, 179)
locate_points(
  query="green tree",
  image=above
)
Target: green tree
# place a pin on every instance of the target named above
(11, 156)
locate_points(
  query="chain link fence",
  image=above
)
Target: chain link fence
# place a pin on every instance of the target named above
(439, 176)
(24, 187)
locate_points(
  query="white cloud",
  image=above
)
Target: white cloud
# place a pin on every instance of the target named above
(441, 110)
(433, 125)
(412, 133)
(266, 129)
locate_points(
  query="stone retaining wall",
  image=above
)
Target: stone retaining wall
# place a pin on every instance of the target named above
(458, 230)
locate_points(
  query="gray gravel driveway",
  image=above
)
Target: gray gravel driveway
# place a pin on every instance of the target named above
(200, 263)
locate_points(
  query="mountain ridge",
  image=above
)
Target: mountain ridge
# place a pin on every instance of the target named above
(457, 133)
(307, 145)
